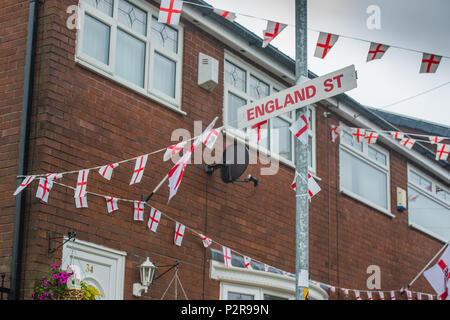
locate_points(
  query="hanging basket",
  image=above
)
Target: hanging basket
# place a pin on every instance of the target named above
(72, 294)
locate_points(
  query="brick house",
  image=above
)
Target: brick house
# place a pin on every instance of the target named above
(119, 86)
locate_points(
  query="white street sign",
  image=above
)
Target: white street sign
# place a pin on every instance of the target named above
(297, 96)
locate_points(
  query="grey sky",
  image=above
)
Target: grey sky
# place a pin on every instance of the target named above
(415, 24)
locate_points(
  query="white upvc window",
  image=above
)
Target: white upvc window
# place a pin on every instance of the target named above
(231, 291)
(123, 40)
(244, 84)
(428, 205)
(364, 172)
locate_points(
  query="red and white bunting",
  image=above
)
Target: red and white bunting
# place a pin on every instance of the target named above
(358, 134)
(173, 150)
(210, 137)
(369, 295)
(393, 295)
(25, 182)
(381, 294)
(397, 135)
(357, 295)
(179, 233)
(434, 139)
(139, 169)
(226, 256)
(430, 63)
(53, 176)
(419, 296)
(409, 295)
(335, 132)
(442, 151)
(247, 263)
(430, 297)
(261, 129)
(294, 183)
(138, 210)
(313, 187)
(407, 142)
(376, 51)
(111, 204)
(325, 42)
(266, 268)
(371, 137)
(44, 188)
(300, 129)
(345, 291)
(230, 16)
(176, 173)
(106, 171)
(80, 190)
(206, 241)
(81, 202)
(153, 219)
(170, 11)
(272, 30)
(439, 276)
(332, 289)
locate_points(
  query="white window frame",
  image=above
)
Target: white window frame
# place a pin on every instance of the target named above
(364, 156)
(174, 103)
(431, 195)
(245, 138)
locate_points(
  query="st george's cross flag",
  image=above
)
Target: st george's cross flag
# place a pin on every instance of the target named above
(206, 241)
(434, 139)
(153, 219)
(313, 187)
(43, 189)
(138, 210)
(300, 129)
(107, 170)
(430, 63)
(226, 256)
(170, 11)
(325, 42)
(230, 16)
(439, 276)
(335, 132)
(407, 142)
(397, 135)
(176, 173)
(248, 263)
(442, 151)
(358, 134)
(376, 51)
(111, 204)
(173, 150)
(210, 137)
(371, 137)
(81, 202)
(179, 233)
(25, 182)
(272, 30)
(80, 190)
(139, 169)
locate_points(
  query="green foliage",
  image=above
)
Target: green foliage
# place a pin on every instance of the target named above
(54, 285)
(89, 292)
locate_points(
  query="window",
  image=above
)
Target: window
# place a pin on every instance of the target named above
(231, 291)
(243, 84)
(428, 205)
(123, 40)
(364, 172)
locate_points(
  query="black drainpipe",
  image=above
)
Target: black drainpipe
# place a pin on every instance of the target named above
(23, 147)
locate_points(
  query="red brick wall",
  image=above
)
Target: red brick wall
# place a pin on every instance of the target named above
(83, 120)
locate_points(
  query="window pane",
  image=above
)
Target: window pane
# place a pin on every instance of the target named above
(347, 138)
(133, 17)
(164, 75)
(234, 102)
(258, 89)
(130, 58)
(164, 35)
(105, 6)
(377, 156)
(428, 214)
(96, 39)
(282, 138)
(235, 76)
(420, 181)
(442, 194)
(271, 297)
(240, 296)
(363, 179)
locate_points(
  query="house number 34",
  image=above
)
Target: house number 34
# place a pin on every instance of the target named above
(89, 268)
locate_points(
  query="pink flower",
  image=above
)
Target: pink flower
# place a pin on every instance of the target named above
(63, 280)
(55, 267)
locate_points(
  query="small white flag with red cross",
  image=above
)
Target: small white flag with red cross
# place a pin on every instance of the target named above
(335, 132)
(44, 188)
(139, 169)
(170, 11)
(430, 63)
(332, 289)
(407, 142)
(111, 204)
(266, 268)
(54, 176)
(25, 182)
(393, 295)
(345, 291)
(80, 190)
(210, 137)
(409, 294)
(381, 294)
(300, 129)
(397, 135)
(206, 241)
(230, 16)
(179, 233)
(173, 150)
(325, 42)
(371, 137)
(358, 134)
(430, 297)
(81, 202)
(272, 30)
(313, 187)
(376, 51)
(435, 139)
(357, 295)
(153, 219)
(419, 296)
(369, 295)
(106, 171)
(139, 210)
(247, 263)
(442, 151)
(439, 276)
(226, 256)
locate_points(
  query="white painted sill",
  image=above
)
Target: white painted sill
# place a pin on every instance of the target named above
(368, 203)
